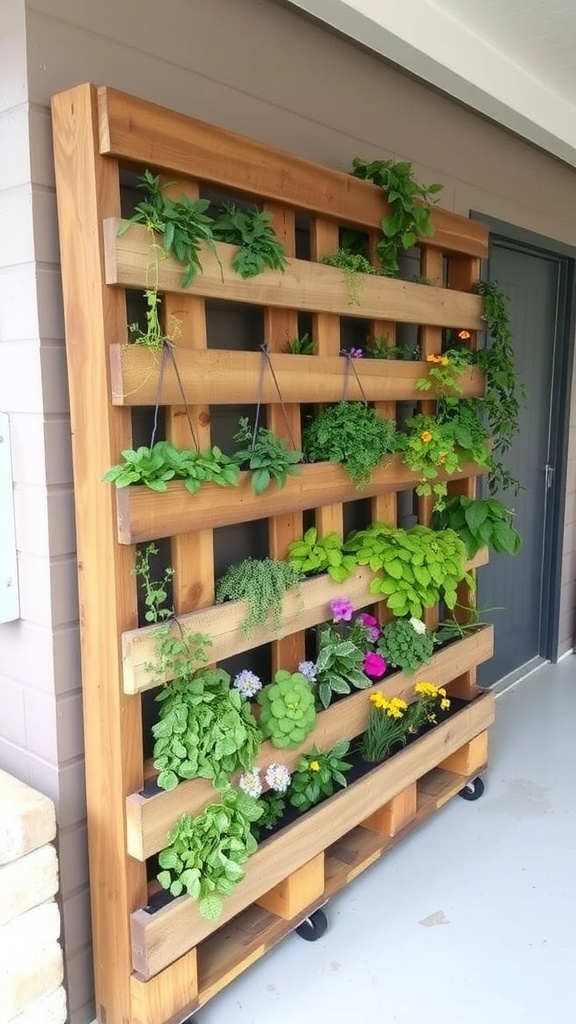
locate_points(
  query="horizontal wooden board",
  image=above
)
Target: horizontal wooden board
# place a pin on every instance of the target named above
(159, 939)
(145, 515)
(302, 608)
(149, 819)
(305, 286)
(142, 132)
(220, 377)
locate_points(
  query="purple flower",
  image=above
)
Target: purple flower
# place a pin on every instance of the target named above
(371, 624)
(342, 610)
(308, 670)
(374, 665)
(247, 683)
(355, 353)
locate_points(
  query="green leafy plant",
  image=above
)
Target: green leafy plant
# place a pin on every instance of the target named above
(382, 348)
(504, 392)
(155, 591)
(301, 346)
(338, 666)
(314, 554)
(252, 232)
(415, 568)
(434, 444)
(410, 205)
(406, 643)
(155, 466)
(205, 854)
(318, 774)
(266, 456)
(181, 223)
(205, 730)
(444, 373)
(480, 522)
(385, 728)
(351, 433)
(273, 806)
(288, 712)
(261, 584)
(352, 265)
(153, 337)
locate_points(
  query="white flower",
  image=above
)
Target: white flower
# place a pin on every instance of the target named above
(418, 626)
(247, 683)
(251, 783)
(278, 777)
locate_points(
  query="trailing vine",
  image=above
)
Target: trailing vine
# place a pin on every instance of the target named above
(261, 583)
(352, 265)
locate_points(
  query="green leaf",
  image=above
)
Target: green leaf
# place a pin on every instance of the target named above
(476, 514)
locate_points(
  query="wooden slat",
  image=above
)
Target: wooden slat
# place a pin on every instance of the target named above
(88, 190)
(145, 515)
(166, 995)
(302, 608)
(303, 286)
(394, 815)
(149, 819)
(219, 377)
(293, 894)
(160, 938)
(142, 132)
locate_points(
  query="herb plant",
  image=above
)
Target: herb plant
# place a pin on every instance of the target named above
(351, 264)
(351, 433)
(480, 522)
(205, 730)
(154, 336)
(410, 205)
(266, 456)
(338, 666)
(406, 644)
(155, 466)
(431, 445)
(261, 584)
(301, 346)
(252, 232)
(288, 712)
(318, 774)
(381, 348)
(182, 224)
(444, 373)
(314, 554)
(205, 854)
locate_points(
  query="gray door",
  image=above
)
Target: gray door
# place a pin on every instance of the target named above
(519, 585)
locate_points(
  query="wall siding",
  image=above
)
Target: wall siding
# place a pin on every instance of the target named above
(315, 95)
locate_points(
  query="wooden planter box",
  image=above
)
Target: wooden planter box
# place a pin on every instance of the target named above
(160, 938)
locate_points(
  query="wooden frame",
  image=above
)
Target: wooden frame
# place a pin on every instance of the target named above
(148, 969)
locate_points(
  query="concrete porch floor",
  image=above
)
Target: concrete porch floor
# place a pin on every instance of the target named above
(470, 919)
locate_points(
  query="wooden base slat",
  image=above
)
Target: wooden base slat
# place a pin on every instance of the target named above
(149, 819)
(470, 758)
(293, 894)
(145, 515)
(396, 814)
(168, 994)
(305, 286)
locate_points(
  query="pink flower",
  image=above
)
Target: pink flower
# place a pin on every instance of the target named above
(371, 625)
(374, 665)
(342, 610)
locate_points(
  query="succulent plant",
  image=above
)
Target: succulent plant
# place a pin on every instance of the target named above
(288, 712)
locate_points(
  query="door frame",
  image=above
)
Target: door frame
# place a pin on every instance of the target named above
(540, 245)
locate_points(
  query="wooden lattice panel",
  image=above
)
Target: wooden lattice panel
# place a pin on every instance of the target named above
(147, 969)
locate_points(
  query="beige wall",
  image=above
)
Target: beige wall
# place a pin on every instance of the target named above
(258, 68)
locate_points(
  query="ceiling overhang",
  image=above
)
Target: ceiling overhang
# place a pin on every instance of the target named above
(420, 37)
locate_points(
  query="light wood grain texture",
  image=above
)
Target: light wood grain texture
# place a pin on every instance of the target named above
(144, 133)
(471, 757)
(302, 607)
(145, 515)
(88, 191)
(230, 378)
(293, 894)
(396, 814)
(305, 286)
(160, 938)
(167, 994)
(150, 818)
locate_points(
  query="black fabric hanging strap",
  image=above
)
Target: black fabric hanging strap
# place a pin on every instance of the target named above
(168, 353)
(350, 359)
(267, 362)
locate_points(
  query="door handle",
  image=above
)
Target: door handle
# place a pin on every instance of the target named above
(549, 476)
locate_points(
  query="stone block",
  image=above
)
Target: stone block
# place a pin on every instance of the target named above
(28, 882)
(49, 1009)
(27, 819)
(27, 978)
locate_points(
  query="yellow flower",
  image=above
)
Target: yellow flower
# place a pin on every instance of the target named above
(377, 699)
(426, 689)
(314, 766)
(444, 704)
(444, 360)
(425, 436)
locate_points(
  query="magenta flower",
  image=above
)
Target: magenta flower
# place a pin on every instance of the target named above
(371, 625)
(374, 665)
(342, 610)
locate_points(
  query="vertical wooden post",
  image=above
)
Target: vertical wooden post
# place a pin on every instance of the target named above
(95, 316)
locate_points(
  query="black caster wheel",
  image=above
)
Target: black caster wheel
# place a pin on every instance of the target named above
(313, 927)
(472, 790)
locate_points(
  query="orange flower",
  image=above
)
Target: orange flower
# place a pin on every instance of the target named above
(425, 436)
(434, 358)
(464, 335)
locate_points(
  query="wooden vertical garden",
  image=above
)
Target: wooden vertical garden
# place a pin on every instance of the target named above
(155, 965)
